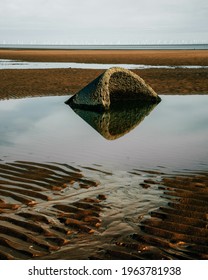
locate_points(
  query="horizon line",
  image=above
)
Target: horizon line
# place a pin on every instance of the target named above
(104, 44)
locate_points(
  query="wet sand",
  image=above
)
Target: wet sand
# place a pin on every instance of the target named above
(24, 83)
(54, 211)
(151, 57)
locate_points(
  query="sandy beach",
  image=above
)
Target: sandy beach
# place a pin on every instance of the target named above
(23, 83)
(57, 208)
(42, 223)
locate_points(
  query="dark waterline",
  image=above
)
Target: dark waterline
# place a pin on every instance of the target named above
(108, 47)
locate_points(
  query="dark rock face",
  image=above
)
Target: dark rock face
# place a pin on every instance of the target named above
(113, 86)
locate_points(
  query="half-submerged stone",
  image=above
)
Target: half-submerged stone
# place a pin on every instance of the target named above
(113, 86)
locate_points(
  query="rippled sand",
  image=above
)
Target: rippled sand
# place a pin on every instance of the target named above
(57, 211)
(47, 82)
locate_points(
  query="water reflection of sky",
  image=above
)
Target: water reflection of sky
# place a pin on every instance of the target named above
(174, 135)
(13, 64)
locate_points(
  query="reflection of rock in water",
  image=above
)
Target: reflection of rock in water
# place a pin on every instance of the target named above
(117, 121)
(114, 85)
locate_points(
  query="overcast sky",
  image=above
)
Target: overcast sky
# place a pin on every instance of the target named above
(103, 21)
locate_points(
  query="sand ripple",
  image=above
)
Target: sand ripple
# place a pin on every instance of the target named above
(53, 211)
(176, 230)
(40, 210)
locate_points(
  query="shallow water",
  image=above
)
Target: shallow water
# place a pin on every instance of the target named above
(108, 46)
(79, 185)
(17, 64)
(173, 135)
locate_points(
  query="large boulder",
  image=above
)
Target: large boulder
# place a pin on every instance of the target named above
(113, 86)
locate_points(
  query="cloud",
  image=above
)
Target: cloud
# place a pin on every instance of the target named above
(107, 20)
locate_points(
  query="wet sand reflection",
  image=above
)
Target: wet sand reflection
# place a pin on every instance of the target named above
(54, 211)
(176, 230)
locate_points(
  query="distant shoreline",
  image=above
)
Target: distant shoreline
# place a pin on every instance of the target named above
(106, 46)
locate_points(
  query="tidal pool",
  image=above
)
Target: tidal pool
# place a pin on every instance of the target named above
(173, 136)
(18, 64)
(130, 183)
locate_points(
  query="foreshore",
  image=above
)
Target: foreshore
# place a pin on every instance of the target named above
(58, 207)
(46, 82)
(44, 217)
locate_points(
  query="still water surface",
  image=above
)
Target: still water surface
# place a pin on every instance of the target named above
(101, 185)
(18, 64)
(173, 136)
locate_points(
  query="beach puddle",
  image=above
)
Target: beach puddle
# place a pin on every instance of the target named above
(172, 134)
(18, 64)
(75, 186)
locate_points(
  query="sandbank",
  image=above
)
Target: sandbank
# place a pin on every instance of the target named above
(46, 82)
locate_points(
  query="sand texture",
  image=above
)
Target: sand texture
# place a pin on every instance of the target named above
(24, 83)
(52, 211)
